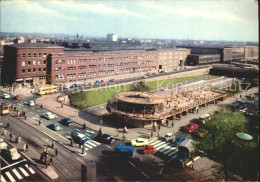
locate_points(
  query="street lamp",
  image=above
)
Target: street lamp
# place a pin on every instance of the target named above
(101, 109)
(244, 137)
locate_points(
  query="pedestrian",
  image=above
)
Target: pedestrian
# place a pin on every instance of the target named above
(172, 124)
(14, 108)
(84, 126)
(80, 144)
(53, 144)
(71, 142)
(240, 96)
(7, 126)
(167, 122)
(40, 122)
(151, 133)
(29, 164)
(11, 136)
(41, 106)
(27, 147)
(1, 125)
(4, 132)
(56, 152)
(159, 126)
(24, 147)
(25, 117)
(50, 161)
(46, 164)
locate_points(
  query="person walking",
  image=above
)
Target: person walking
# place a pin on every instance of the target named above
(7, 126)
(40, 122)
(11, 136)
(159, 126)
(24, 147)
(167, 122)
(56, 152)
(27, 147)
(53, 144)
(80, 144)
(1, 125)
(50, 162)
(4, 132)
(41, 106)
(25, 117)
(71, 142)
(172, 124)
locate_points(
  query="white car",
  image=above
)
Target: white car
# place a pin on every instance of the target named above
(31, 103)
(14, 154)
(6, 96)
(139, 142)
(48, 115)
(3, 145)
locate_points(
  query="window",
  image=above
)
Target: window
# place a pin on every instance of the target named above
(44, 55)
(29, 55)
(34, 62)
(23, 56)
(34, 55)
(29, 63)
(39, 62)
(44, 69)
(40, 55)
(44, 62)
(23, 63)
(34, 70)
(42, 77)
(29, 70)
(39, 69)
(23, 70)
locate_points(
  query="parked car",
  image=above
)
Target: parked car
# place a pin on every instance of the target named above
(17, 97)
(14, 154)
(3, 145)
(97, 82)
(54, 126)
(74, 85)
(67, 122)
(149, 149)
(204, 118)
(112, 80)
(91, 83)
(139, 142)
(250, 96)
(105, 138)
(77, 137)
(191, 127)
(48, 115)
(5, 96)
(31, 103)
(179, 140)
(168, 137)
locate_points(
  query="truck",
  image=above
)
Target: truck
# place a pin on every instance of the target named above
(124, 151)
(4, 108)
(185, 150)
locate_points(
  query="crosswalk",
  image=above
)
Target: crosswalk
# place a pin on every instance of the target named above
(16, 174)
(165, 148)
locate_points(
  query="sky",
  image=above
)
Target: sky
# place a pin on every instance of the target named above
(231, 20)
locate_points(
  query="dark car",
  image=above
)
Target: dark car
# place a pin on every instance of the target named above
(54, 126)
(105, 138)
(179, 140)
(78, 137)
(67, 122)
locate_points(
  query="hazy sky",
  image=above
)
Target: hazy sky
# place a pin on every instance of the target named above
(173, 19)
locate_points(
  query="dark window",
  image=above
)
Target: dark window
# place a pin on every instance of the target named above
(23, 55)
(39, 69)
(34, 70)
(29, 70)
(44, 62)
(29, 63)
(34, 55)
(44, 69)
(23, 70)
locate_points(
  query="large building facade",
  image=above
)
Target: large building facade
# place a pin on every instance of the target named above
(40, 63)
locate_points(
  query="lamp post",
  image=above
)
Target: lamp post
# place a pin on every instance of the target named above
(245, 137)
(101, 121)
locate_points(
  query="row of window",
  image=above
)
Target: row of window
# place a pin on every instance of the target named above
(34, 55)
(34, 70)
(29, 63)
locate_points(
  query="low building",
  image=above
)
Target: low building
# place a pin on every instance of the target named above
(196, 59)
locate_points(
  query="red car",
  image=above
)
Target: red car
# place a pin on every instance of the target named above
(191, 127)
(17, 97)
(149, 149)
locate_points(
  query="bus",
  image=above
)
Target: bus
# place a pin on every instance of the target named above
(4, 108)
(48, 90)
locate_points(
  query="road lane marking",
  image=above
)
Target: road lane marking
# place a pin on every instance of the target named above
(10, 177)
(131, 163)
(172, 153)
(162, 146)
(145, 175)
(2, 179)
(94, 145)
(95, 142)
(108, 146)
(17, 174)
(88, 146)
(23, 171)
(30, 169)
(153, 143)
(87, 134)
(77, 129)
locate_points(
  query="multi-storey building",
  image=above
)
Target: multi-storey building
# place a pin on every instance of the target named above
(40, 63)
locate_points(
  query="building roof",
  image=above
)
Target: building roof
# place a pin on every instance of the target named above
(35, 45)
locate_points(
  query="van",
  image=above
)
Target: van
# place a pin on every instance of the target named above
(14, 154)
(124, 151)
(203, 118)
(184, 150)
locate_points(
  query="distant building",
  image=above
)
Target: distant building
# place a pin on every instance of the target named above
(19, 40)
(111, 38)
(39, 62)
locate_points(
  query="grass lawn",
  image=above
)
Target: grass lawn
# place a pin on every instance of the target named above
(85, 99)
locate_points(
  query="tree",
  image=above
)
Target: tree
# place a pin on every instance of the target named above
(141, 86)
(219, 141)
